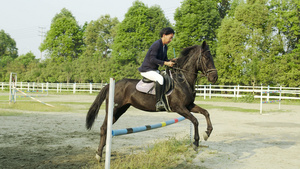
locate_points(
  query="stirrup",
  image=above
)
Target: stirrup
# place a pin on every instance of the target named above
(160, 106)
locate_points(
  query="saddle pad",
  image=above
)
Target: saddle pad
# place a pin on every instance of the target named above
(148, 88)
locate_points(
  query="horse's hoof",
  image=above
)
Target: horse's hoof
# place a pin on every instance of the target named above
(98, 158)
(195, 147)
(205, 136)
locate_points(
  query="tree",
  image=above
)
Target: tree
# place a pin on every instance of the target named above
(135, 34)
(99, 36)
(244, 44)
(64, 39)
(7, 46)
(229, 61)
(196, 20)
(286, 20)
(26, 59)
(139, 29)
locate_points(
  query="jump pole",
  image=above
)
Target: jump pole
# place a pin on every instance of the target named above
(146, 127)
(109, 122)
(33, 98)
(268, 92)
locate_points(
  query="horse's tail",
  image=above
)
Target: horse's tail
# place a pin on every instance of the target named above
(94, 109)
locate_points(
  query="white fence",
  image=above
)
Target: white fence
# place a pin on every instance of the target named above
(206, 91)
(56, 87)
(265, 92)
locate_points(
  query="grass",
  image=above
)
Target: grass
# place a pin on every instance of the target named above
(171, 153)
(6, 113)
(225, 99)
(34, 106)
(225, 108)
(4, 98)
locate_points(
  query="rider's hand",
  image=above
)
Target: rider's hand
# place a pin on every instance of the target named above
(169, 63)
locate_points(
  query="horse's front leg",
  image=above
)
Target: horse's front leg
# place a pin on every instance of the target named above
(186, 113)
(196, 109)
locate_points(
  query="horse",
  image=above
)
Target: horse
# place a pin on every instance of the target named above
(185, 72)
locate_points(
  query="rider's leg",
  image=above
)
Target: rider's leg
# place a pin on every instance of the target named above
(153, 76)
(160, 104)
(159, 89)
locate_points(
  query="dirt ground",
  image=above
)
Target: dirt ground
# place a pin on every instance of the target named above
(239, 139)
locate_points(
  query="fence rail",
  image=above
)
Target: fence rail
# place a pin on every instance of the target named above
(206, 91)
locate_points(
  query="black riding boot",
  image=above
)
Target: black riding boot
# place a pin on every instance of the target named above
(159, 92)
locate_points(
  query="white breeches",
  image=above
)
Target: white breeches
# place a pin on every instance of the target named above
(154, 76)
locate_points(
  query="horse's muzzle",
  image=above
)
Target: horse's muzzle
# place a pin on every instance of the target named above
(212, 76)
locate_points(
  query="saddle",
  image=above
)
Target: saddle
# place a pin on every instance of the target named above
(147, 86)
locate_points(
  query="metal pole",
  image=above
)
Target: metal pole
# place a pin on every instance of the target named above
(109, 122)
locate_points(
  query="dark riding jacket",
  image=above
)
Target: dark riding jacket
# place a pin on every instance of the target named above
(155, 56)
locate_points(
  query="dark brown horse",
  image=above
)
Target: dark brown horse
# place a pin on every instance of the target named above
(192, 60)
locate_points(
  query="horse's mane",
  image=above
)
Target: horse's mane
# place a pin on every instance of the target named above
(186, 54)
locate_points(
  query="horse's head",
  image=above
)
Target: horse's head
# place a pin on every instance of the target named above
(206, 65)
(197, 58)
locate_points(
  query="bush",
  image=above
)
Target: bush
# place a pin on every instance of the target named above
(249, 98)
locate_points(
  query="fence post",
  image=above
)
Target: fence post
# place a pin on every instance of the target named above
(28, 86)
(21, 85)
(2, 86)
(261, 93)
(280, 96)
(238, 92)
(268, 93)
(91, 87)
(57, 87)
(74, 87)
(234, 91)
(33, 86)
(42, 87)
(47, 87)
(204, 92)
(209, 91)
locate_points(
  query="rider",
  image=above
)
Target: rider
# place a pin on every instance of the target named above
(155, 57)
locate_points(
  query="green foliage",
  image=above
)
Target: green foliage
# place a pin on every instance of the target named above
(139, 29)
(196, 21)
(252, 48)
(26, 59)
(64, 40)
(249, 98)
(99, 36)
(7, 46)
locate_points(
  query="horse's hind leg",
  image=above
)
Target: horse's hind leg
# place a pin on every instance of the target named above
(197, 109)
(103, 132)
(103, 129)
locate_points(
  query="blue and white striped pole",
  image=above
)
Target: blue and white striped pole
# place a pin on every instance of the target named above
(146, 127)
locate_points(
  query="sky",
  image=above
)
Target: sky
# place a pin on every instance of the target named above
(26, 20)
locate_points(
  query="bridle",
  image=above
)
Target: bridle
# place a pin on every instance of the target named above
(203, 66)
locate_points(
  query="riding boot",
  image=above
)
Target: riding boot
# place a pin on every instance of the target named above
(159, 92)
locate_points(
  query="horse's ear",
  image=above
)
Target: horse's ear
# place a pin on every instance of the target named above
(204, 44)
